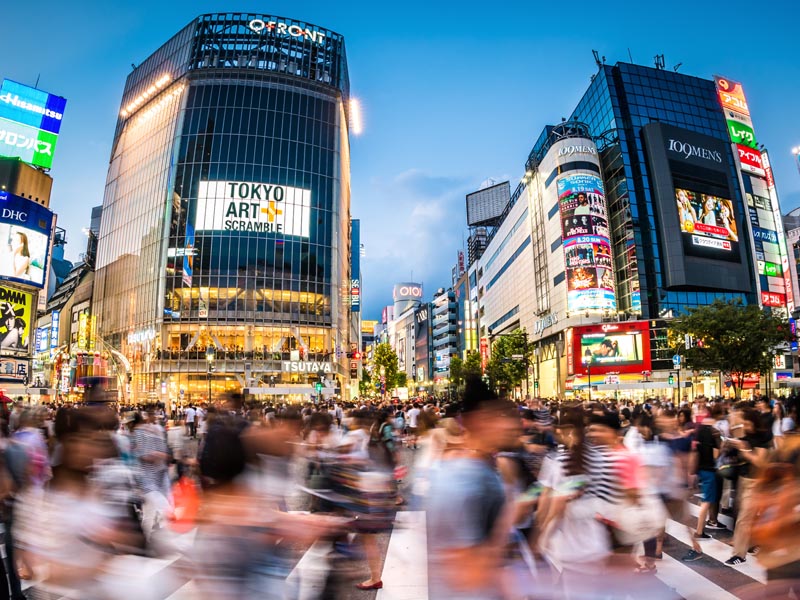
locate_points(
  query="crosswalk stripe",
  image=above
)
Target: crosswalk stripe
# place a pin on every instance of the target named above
(405, 570)
(724, 519)
(689, 583)
(717, 550)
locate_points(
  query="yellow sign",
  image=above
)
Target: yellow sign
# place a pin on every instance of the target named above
(368, 327)
(15, 319)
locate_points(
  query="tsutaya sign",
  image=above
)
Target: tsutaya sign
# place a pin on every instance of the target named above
(251, 206)
(299, 366)
(259, 25)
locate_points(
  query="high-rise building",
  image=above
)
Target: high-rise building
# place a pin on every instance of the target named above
(444, 330)
(224, 247)
(640, 205)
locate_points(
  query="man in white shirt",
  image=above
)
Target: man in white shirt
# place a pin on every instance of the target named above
(413, 417)
(191, 424)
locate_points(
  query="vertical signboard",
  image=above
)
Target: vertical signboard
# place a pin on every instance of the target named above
(769, 240)
(586, 243)
(355, 265)
(188, 256)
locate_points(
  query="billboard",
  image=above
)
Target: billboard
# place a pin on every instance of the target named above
(709, 221)
(25, 228)
(30, 120)
(612, 348)
(16, 314)
(188, 256)
(700, 217)
(487, 205)
(586, 243)
(253, 207)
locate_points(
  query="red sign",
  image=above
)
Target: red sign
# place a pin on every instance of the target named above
(611, 348)
(731, 95)
(484, 352)
(750, 159)
(773, 299)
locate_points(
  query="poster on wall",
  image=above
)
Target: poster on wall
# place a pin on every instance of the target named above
(25, 228)
(188, 256)
(15, 320)
(586, 243)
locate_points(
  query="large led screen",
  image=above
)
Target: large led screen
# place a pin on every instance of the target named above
(25, 228)
(586, 243)
(253, 207)
(707, 221)
(604, 348)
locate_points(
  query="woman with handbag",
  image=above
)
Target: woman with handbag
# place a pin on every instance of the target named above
(569, 535)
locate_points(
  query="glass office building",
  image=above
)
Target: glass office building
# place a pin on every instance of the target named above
(224, 250)
(618, 106)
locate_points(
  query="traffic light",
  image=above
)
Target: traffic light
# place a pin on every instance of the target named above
(671, 379)
(356, 355)
(318, 386)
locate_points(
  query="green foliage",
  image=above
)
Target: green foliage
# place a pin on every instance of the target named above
(731, 338)
(384, 356)
(401, 380)
(504, 371)
(472, 366)
(456, 371)
(365, 385)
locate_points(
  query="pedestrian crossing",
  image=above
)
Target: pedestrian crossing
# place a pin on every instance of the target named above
(405, 571)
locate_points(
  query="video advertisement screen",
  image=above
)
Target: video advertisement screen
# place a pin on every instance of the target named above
(612, 348)
(708, 224)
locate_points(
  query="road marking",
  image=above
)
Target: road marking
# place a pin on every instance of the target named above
(687, 582)
(405, 570)
(718, 550)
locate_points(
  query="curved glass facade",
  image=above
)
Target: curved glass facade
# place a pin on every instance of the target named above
(237, 164)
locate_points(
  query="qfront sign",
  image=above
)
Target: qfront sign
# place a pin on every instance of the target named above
(299, 366)
(252, 206)
(278, 28)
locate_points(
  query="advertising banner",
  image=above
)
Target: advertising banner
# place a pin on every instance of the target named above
(750, 160)
(742, 134)
(586, 243)
(709, 221)
(30, 120)
(31, 106)
(188, 256)
(42, 339)
(16, 314)
(250, 206)
(773, 299)
(25, 228)
(355, 265)
(612, 348)
(731, 95)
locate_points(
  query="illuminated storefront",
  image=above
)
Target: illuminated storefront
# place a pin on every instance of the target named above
(225, 243)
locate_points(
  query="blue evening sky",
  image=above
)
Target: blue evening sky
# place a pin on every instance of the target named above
(453, 94)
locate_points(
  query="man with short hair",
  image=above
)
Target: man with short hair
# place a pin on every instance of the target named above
(413, 426)
(468, 517)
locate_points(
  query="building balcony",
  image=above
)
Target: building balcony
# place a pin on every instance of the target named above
(446, 340)
(444, 327)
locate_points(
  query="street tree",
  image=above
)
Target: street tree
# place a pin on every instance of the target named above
(385, 359)
(729, 337)
(508, 363)
(460, 369)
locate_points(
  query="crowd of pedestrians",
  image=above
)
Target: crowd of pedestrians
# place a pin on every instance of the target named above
(539, 499)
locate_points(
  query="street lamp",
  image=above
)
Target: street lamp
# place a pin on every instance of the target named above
(210, 356)
(588, 358)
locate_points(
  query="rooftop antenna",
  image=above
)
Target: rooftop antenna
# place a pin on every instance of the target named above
(659, 61)
(630, 56)
(678, 66)
(596, 55)
(36, 85)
